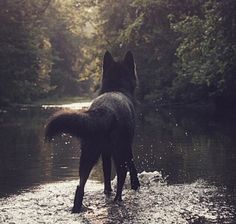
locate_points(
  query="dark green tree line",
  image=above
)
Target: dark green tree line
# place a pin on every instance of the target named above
(41, 49)
(184, 50)
(19, 53)
(206, 53)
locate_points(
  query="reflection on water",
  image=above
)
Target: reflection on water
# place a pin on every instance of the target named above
(188, 146)
(184, 145)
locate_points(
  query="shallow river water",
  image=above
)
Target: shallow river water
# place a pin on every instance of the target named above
(186, 162)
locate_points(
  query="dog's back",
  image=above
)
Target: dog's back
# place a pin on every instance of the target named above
(120, 107)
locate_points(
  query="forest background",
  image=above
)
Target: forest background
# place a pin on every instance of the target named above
(185, 50)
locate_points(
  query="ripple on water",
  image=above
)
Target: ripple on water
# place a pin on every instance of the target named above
(155, 202)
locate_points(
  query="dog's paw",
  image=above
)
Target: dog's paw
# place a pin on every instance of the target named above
(80, 209)
(135, 185)
(76, 210)
(107, 192)
(117, 199)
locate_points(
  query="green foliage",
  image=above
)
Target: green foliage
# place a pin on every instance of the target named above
(143, 26)
(42, 50)
(206, 53)
(19, 77)
(184, 50)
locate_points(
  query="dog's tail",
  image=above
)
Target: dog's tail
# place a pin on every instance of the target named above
(79, 124)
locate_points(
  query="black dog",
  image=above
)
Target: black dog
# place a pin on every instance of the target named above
(106, 128)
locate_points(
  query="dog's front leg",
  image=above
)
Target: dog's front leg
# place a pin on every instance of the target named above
(79, 194)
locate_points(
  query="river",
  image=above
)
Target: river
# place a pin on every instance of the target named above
(186, 160)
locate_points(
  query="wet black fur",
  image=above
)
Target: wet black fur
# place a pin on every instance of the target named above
(106, 129)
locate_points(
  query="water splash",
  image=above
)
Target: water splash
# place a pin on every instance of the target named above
(155, 202)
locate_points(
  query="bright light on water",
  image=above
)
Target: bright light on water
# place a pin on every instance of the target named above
(76, 106)
(155, 202)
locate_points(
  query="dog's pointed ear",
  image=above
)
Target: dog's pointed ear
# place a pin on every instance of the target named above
(129, 60)
(107, 60)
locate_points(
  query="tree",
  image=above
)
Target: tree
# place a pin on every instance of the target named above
(206, 52)
(184, 50)
(142, 26)
(44, 49)
(20, 52)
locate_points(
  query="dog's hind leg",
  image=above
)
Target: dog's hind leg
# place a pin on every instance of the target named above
(106, 164)
(121, 171)
(87, 161)
(132, 169)
(133, 175)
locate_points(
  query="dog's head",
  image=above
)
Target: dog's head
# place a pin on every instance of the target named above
(119, 75)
